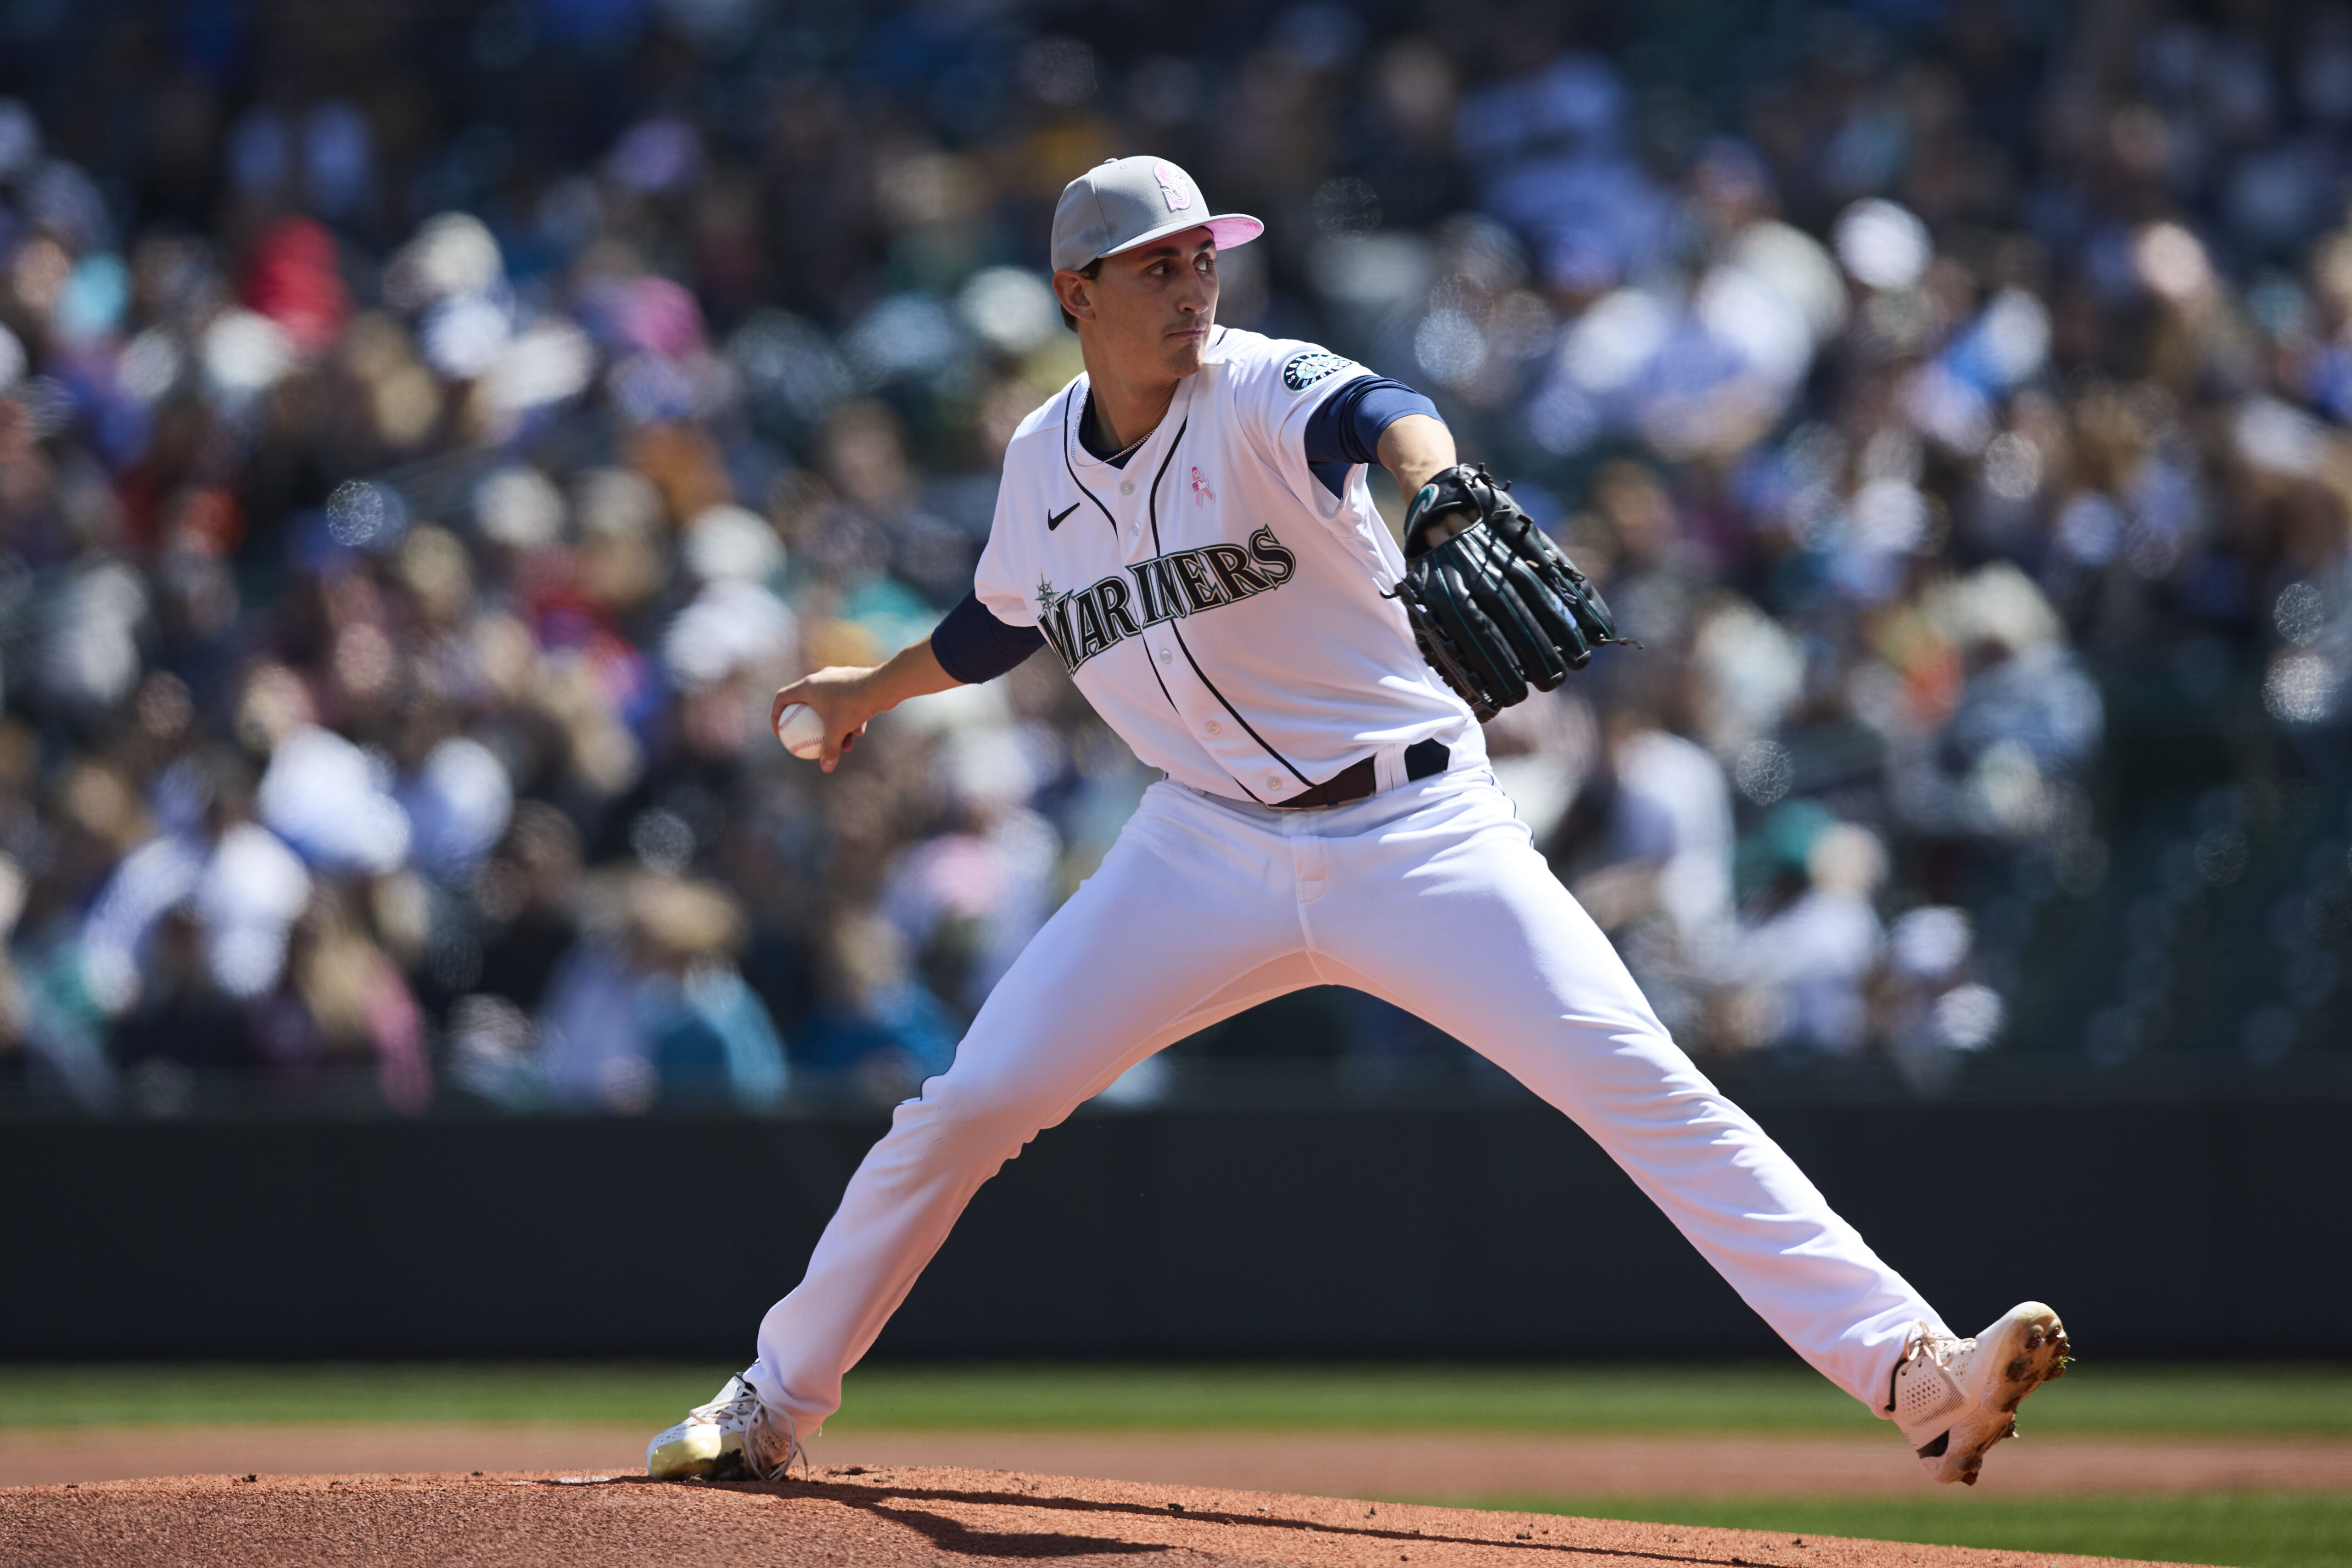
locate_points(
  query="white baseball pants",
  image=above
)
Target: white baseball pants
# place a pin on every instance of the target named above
(1430, 895)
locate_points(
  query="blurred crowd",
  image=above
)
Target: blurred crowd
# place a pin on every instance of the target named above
(428, 437)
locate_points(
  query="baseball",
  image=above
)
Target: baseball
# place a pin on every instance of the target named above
(800, 730)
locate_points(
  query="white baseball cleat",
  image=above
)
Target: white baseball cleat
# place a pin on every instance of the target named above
(732, 1438)
(1956, 1398)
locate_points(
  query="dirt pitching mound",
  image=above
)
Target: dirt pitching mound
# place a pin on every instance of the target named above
(1432, 1465)
(846, 1519)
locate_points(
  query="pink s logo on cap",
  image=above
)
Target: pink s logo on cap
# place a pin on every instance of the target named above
(1171, 187)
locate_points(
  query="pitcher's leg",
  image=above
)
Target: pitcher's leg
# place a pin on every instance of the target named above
(1480, 939)
(1172, 932)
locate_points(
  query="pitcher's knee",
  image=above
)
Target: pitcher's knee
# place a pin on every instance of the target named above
(979, 1113)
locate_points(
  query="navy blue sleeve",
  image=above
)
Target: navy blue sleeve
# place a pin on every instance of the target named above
(973, 645)
(1345, 429)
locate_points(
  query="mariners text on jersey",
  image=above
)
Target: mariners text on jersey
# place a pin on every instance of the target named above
(1081, 623)
(1225, 610)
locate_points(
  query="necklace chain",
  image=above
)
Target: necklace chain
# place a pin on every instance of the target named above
(1088, 413)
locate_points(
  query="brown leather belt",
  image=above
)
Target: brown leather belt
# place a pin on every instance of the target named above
(1357, 780)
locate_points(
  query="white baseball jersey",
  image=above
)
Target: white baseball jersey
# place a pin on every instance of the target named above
(1222, 611)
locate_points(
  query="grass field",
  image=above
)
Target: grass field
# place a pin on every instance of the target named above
(2248, 1401)
(2252, 1530)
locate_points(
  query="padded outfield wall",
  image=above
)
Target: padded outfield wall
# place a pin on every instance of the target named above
(2165, 1227)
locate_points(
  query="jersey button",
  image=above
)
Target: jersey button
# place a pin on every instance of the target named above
(1126, 488)
(1167, 655)
(1276, 781)
(1215, 728)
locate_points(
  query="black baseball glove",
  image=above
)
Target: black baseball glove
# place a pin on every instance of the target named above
(1496, 608)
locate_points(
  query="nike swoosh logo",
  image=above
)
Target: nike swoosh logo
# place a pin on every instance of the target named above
(1054, 519)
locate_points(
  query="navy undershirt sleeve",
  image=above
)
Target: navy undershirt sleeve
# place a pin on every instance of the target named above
(1344, 430)
(973, 645)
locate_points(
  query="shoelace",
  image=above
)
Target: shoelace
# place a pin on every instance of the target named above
(792, 1450)
(1938, 1348)
(744, 1404)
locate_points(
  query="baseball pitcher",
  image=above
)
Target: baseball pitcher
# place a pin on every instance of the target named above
(1186, 527)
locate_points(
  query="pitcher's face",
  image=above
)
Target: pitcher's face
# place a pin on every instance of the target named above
(1149, 310)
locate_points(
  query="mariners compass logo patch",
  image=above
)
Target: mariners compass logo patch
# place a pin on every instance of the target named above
(1171, 187)
(1304, 370)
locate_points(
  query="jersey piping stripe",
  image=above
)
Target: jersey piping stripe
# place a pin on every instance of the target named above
(1153, 665)
(1148, 663)
(1178, 634)
(1067, 438)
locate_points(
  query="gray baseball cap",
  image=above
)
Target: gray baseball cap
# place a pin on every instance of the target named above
(1122, 203)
